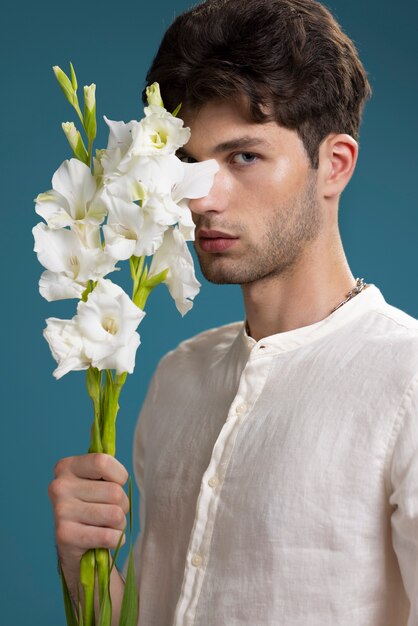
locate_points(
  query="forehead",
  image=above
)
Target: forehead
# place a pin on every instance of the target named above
(221, 123)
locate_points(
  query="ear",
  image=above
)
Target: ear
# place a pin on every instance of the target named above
(337, 161)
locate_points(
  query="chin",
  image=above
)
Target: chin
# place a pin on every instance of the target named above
(216, 272)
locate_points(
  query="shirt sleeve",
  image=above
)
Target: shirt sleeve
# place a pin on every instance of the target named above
(139, 446)
(404, 495)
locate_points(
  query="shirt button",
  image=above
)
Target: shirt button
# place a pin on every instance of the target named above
(214, 481)
(241, 408)
(197, 560)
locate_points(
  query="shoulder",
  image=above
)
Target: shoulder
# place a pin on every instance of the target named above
(393, 325)
(390, 337)
(397, 319)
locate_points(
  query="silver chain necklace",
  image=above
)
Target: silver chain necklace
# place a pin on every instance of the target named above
(360, 285)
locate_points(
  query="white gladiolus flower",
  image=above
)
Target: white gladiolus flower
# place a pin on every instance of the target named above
(102, 334)
(165, 188)
(131, 231)
(158, 133)
(66, 345)
(181, 280)
(74, 197)
(119, 142)
(107, 322)
(196, 183)
(69, 263)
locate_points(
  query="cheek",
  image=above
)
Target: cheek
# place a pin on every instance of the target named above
(272, 184)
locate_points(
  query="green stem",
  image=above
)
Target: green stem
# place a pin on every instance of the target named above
(137, 273)
(87, 575)
(111, 394)
(96, 440)
(109, 437)
(79, 113)
(90, 150)
(142, 296)
(93, 382)
(102, 563)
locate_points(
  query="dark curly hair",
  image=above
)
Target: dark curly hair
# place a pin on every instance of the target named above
(288, 58)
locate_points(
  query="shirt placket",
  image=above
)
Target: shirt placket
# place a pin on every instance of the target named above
(251, 383)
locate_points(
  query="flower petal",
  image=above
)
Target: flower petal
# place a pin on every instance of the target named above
(197, 180)
(66, 346)
(57, 286)
(75, 182)
(181, 280)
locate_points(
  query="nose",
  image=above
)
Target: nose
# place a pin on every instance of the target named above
(217, 199)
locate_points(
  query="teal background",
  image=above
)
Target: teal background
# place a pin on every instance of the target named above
(112, 44)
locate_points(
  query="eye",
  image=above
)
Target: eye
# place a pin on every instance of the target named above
(244, 158)
(185, 158)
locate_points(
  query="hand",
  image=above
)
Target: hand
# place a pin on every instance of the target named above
(89, 505)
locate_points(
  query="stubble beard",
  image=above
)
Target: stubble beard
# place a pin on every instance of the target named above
(287, 233)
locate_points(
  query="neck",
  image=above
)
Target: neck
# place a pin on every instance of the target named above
(303, 295)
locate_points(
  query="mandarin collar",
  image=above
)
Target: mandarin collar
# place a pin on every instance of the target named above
(368, 299)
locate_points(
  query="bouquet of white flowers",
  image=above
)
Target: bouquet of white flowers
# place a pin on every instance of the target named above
(129, 201)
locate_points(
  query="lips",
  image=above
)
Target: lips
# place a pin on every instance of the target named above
(215, 240)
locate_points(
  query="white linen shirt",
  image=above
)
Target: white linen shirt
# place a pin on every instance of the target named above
(279, 478)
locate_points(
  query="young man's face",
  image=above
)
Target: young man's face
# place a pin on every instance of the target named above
(263, 204)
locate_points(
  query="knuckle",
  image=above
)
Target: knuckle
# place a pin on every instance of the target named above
(107, 538)
(118, 495)
(125, 475)
(59, 467)
(101, 462)
(116, 516)
(125, 504)
(55, 488)
(60, 511)
(62, 534)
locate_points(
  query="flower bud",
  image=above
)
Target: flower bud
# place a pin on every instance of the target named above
(154, 95)
(89, 119)
(75, 141)
(73, 77)
(90, 96)
(66, 85)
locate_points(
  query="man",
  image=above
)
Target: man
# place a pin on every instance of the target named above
(278, 459)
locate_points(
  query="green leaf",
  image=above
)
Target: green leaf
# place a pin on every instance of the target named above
(120, 379)
(105, 614)
(177, 110)
(80, 615)
(129, 608)
(91, 285)
(70, 613)
(73, 77)
(130, 506)
(117, 551)
(80, 151)
(93, 379)
(152, 282)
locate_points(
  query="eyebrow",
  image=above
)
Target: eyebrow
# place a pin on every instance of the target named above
(241, 143)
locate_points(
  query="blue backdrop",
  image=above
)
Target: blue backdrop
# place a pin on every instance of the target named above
(112, 45)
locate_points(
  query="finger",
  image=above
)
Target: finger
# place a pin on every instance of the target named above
(102, 515)
(95, 466)
(73, 536)
(87, 490)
